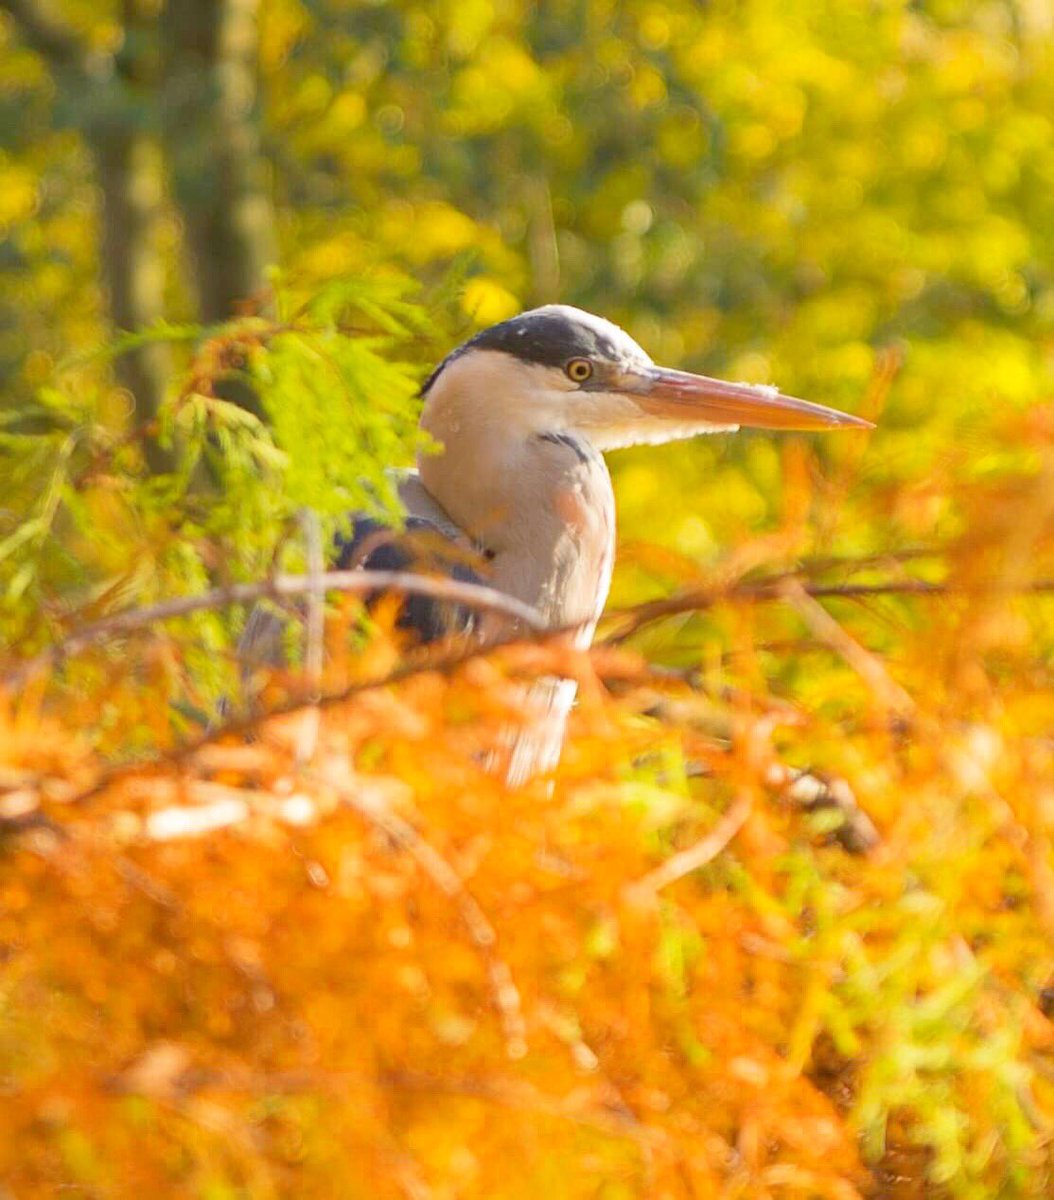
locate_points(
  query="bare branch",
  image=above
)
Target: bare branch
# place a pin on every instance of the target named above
(281, 586)
(633, 619)
(485, 599)
(441, 659)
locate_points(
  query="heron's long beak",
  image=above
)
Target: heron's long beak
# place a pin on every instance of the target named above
(681, 396)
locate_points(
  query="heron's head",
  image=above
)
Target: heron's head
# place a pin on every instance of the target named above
(558, 369)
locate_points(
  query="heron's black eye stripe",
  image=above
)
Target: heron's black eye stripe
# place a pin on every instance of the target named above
(578, 370)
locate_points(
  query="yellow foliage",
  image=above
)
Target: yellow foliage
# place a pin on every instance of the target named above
(485, 301)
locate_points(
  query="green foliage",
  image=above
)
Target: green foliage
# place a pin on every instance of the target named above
(89, 526)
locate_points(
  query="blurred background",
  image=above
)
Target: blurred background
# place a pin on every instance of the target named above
(236, 233)
(804, 195)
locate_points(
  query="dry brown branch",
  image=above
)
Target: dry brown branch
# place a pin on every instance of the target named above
(633, 619)
(478, 596)
(440, 659)
(280, 586)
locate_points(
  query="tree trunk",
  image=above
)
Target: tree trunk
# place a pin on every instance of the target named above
(131, 266)
(219, 176)
(127, 173)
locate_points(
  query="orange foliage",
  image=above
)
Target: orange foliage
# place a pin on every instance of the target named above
(235, 974)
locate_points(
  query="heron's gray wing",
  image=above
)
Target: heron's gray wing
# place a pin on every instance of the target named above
(418, 501)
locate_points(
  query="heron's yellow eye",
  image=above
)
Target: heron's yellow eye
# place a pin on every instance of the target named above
(579, 369)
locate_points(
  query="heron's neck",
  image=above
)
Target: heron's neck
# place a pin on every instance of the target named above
(541, 503)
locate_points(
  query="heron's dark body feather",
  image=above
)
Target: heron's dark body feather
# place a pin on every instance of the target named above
(421, 547)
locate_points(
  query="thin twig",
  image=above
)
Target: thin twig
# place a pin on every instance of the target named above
(441, 658)
(694, 857)
(871, 670)
(633, 619)
(814, 564)
(477, 596)
(281, 586)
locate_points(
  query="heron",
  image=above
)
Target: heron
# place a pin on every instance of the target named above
(514, 491)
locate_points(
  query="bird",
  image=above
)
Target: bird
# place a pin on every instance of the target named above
(514, 492)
